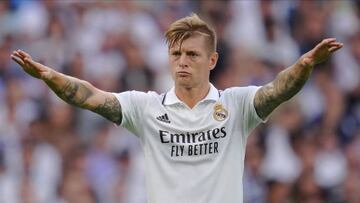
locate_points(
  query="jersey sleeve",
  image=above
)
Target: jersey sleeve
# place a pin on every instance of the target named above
(132, 105)
(244, 102)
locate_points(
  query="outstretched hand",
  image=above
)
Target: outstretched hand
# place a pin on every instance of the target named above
(31, 67)
(322, 51)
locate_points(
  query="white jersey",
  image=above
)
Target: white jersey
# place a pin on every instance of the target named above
(192, 155)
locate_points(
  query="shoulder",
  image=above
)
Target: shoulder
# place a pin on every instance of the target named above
(240, 91)
(138, 96)
(135, 93)
(239, 97)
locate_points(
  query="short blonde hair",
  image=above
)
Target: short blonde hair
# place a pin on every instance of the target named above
(186, 27)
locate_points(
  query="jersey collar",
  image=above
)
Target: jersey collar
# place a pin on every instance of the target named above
(171, 98)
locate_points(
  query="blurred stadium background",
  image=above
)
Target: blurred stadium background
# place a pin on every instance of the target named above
(50, 152)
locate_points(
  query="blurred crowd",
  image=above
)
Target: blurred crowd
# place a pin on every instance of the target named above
(51, 152)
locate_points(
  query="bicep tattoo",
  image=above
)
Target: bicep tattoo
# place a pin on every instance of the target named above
(110, 109)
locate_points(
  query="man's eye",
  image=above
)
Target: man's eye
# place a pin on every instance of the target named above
(192, 54)
(176, 53)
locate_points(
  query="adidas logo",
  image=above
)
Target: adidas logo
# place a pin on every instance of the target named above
(163, 118)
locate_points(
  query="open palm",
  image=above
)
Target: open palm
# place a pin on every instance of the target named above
(323, 50)
(31, 67)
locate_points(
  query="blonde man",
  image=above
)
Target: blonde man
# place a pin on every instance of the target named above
(194, 135)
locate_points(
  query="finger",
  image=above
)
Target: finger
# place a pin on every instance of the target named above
(17, 54)
(31, 62)
(24, 54)
(329, 40)
(336, 44)
(333, 49)
(325, 43)
(17, 60)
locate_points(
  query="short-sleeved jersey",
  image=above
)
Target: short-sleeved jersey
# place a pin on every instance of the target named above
(192, 155)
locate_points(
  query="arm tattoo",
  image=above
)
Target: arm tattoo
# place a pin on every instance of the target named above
(81, 94)
(286, 85)
(110, 109)
(74, 93)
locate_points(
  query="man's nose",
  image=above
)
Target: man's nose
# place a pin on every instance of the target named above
(183, 61)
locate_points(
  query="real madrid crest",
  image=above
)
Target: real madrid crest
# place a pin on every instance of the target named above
(220, 113)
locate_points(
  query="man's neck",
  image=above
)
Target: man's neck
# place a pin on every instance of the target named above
(191, 96)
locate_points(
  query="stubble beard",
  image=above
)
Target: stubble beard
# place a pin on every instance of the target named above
(185, 82)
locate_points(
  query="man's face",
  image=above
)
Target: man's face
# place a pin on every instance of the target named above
(191, 63)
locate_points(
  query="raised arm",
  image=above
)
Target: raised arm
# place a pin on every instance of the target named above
(74, 91)
(289, 81)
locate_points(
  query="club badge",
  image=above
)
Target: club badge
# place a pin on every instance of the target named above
(220, 113)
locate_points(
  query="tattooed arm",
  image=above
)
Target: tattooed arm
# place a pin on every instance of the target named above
(289, 81)
(72, 90)
(82, 94)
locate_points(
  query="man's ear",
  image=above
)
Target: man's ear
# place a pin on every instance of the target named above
(213, 60)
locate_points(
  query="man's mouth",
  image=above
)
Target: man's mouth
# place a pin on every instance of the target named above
(183, 73)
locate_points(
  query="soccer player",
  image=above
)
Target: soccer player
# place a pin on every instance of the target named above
(194, 135)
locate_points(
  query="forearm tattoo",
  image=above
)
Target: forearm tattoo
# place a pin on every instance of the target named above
(74, 93)
(286, 85)
(78, 93)
(110, 109)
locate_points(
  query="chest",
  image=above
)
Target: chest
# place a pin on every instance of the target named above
(180, 133)
(180, 118)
